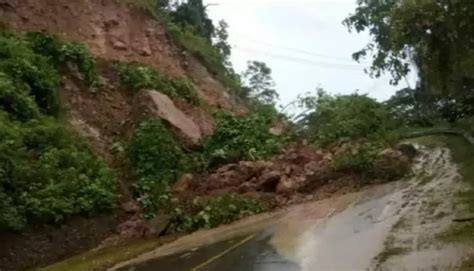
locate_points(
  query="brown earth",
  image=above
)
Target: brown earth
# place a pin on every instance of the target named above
(116, 31)
(298, 174)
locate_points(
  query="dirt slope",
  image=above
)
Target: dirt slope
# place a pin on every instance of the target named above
(115, 31)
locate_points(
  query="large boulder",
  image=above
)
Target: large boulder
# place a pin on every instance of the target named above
(159, 105)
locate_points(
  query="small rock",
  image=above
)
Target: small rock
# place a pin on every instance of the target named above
(120, 45)
(145, 51)
(247, 188)
(285, 186)
(159, 224)
(183, 184)
(130, 207)
(269, 181)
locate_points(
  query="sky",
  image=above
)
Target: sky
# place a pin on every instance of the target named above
(303, 42)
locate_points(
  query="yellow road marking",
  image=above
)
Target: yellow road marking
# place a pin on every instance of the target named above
(206, 263)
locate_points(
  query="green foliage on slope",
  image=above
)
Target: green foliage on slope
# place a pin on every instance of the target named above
(155, 156)
(241, 138)
(214, 212)
(137, 76)
(46, 174)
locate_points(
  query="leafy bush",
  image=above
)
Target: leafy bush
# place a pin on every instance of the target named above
(63, 53)
(201, 48)
(237, 138)
(16, 101)
(366, 159)
(32, 73)
(155, 156)
(358, 158)
(352, 117)
(218, 210)
(45, 176)
(138, 76)
(30, 69)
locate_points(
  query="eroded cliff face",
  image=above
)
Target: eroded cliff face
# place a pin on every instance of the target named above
(116, 31)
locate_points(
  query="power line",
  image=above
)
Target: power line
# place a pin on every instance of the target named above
(296, 50)
(303, 61)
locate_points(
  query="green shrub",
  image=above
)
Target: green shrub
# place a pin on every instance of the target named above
(155, 156)
(218, 210)
(201, 48)
(185, 89)
(46, 176)
(31, 73)
(366, 159)
(240, 138)
(138, 76)
(32, 66)
(359, 158)
(353, 117)
(63, 53)
(16, 101)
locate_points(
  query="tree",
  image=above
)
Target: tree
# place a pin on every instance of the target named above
(221, 37)
(258, 83)
(194, 13)
(433, 35)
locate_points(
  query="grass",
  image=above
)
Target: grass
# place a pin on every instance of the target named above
(429, 141)
(107, 257)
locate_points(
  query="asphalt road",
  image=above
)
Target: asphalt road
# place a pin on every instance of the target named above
(252, 252)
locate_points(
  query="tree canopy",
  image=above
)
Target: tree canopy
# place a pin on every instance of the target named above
(432, 35)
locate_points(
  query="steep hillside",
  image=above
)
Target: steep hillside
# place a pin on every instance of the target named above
(115, 30)
(105, 113)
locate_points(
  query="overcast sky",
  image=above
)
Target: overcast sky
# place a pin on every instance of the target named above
(304, 42)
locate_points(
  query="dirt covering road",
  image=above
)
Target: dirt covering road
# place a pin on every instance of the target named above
(386, 227)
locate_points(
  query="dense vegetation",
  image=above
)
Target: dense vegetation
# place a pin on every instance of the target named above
(241, 138)
(430, 37)
(214, 212)
(46, 173)
(158, 159)
(136, 76)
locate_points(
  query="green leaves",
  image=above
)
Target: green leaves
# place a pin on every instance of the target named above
(46, 177)
(63, 53)
(240, 138)
(350, 117)
(137, 76)
(215, 211)
(155, 157)
(434, 35)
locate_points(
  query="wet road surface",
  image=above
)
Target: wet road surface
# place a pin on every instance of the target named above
(347, 233)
